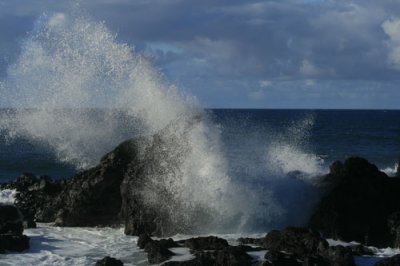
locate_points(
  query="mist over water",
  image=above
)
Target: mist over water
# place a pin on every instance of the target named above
(79, 93)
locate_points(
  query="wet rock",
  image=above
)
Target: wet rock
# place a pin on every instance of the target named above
(392, 261)
(93, 197)
(357, 204)
(29, 224)
(298, 241)
(205, 243)
(13, 243)
(10, 220)
(393, 223)
(143, 240)
(339, 256)
(108, 261)
(277, 258)
(157, 250)
(11, 229)
(157, 253)
(360, 250)
(36, 197)
(116, 191)
(227, 256)
(251, 241)
(305, 247)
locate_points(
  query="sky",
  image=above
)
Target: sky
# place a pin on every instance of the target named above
(245, 53)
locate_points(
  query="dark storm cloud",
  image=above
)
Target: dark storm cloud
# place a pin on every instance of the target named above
(223, 50)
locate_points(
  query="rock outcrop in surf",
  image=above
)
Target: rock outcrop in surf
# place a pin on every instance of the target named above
(11, 230)
(361, 204)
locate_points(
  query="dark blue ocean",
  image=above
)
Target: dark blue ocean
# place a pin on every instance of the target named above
(304, 140)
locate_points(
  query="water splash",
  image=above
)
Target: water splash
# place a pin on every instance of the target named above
(86, 93)
(287, 154)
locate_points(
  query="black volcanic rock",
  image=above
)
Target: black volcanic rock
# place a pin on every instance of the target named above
(157, 250)
(93, 197)
(13, 243)
(209, 250)
(11, 229)
(205, 243)
(35, 197)
(300, 242)
(10, 220)
(126, 187)
(358, 205)
(108, 261)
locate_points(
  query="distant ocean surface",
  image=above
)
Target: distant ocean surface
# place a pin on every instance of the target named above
(252, 139)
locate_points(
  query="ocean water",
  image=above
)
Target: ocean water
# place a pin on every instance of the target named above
(75, 92)
(252, 139)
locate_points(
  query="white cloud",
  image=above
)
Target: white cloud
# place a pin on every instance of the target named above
(392, 29)
(308, 69)
(257, 95)
(309, 82)
(265, 83)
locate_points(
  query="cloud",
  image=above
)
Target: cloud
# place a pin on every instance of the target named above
(308, 69)
(265, 83)
(392, 29)
(225, 48)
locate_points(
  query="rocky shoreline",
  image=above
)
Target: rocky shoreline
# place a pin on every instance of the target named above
(359, 203)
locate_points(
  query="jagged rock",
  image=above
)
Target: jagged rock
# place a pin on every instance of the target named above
(339, 256)
(393, 223)
(29, 224)
(251, 241)
(11, 229)
(36, 196)
(108, 261)
(157, 253)
(157, 250)
(277, 258)
(234, 256)
(305, 246)
(93, 197)
(123, 188)
(13, 243)
(205, 243)
(298, 241)
(360, 250)
(143, 240)
(227, 256)
(357, 204)
(10, 220)
(392, 261)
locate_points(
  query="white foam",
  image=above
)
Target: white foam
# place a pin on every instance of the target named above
(288, 152)
(182, 254)
(76, 246)
(7, 196)
(258, 255)
(334, 242)
(390, 171)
